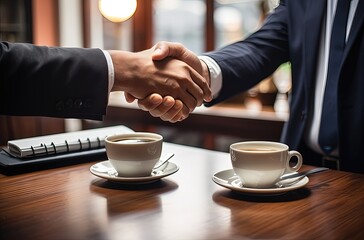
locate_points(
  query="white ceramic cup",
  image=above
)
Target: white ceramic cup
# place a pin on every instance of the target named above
(260, 164)
(134, 154)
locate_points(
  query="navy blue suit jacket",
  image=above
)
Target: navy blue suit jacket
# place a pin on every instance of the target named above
(54, 82)
(292, 33)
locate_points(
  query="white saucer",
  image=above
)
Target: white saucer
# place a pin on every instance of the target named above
(106, 171)
(228, 179)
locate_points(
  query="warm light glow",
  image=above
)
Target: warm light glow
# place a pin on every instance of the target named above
(117, 10)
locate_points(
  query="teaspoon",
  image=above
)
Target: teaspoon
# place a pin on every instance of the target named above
(299, 177)
(305, 173)
(163, 161)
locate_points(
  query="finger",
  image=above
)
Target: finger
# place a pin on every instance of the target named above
(161, 51)
(150, 102)
(128, 97)
(203, 85)
(167, 49)
(206, 88)
(188, 99)
(193, 87)
(186, 89)
(192, 90)
(166, 106)
(183, 114)
(172, 112)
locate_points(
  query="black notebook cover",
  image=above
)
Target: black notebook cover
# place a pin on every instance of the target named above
(10, 165)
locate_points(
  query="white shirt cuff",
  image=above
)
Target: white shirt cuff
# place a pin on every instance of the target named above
(110, 67)
(215, 75)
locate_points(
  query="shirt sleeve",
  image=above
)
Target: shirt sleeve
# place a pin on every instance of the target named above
(110, 67)
(215, 75)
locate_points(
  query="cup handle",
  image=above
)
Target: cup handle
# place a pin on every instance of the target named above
(298, 165)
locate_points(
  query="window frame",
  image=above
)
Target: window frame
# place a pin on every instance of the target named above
(143, 26)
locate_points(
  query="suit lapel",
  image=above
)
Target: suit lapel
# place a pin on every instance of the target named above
(355, 27)
(315, 11)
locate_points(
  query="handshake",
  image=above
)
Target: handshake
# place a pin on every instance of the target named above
(168, 80)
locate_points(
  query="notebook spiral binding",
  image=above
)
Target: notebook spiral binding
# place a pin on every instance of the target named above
(62, 143)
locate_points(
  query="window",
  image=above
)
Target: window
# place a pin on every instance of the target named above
(200, 25)
(234, 20)
(180, 21)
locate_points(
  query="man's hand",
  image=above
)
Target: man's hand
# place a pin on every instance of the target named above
(168, 108)
(139, 76)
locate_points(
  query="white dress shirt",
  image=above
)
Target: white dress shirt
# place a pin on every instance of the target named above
(110, 67)
(312, 133)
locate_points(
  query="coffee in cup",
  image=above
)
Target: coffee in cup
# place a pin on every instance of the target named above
(260, 164)
(134, 154)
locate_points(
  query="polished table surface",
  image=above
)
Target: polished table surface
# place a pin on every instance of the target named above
(71, 203)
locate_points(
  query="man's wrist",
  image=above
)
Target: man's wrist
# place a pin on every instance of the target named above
(214, 74)
(206, 72)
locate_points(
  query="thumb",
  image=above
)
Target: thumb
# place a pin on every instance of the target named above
(161, 51)
(176, 50)
(168, 49)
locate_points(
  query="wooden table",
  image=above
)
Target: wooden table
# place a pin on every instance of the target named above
(71, 203)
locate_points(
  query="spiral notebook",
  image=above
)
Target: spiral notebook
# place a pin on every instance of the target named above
(57, 149)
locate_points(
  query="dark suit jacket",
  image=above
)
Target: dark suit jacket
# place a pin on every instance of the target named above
(292, 33)
(55, 82)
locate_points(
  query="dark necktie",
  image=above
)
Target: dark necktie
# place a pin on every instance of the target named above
(328, 135)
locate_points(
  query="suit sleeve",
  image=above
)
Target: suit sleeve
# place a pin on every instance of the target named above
(246, 62)
(51, 81)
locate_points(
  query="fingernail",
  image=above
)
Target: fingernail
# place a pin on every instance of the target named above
(168, 103)
(157, 51)
(156, 100)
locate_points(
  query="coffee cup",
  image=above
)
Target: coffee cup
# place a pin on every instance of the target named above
(260, 164)
(134, 154)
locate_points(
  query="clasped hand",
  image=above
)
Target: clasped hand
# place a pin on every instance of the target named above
(167, 80)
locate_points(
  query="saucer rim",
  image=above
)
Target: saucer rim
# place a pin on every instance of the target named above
(174, 168)
(230, 172)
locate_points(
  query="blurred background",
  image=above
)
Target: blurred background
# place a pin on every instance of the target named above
(135, 25)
